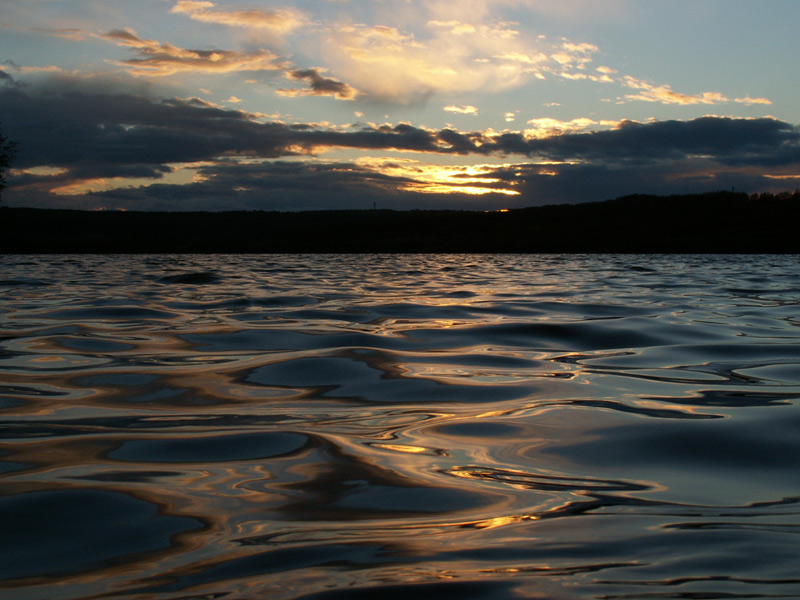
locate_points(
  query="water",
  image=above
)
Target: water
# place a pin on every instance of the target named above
(328, 427)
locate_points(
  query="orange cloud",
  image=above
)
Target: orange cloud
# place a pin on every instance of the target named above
(425, 178)
(83, 186)
(281, 20)
(750, 101)
(160, 59)
(666, 95)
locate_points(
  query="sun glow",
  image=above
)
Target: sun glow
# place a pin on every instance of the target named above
(181, 174)
(85, 186)
(441, 179)
(42, 171)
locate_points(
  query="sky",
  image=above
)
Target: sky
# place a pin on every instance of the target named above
(217, 105)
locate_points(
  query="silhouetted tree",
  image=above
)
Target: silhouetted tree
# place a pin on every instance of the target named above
(7, 151)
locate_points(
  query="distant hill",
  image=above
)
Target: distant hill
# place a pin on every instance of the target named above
(720, 222)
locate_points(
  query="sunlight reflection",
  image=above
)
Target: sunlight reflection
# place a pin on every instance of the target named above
(312, 424)
(402, 448)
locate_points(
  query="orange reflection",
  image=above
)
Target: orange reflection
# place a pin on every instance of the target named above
(402, 448)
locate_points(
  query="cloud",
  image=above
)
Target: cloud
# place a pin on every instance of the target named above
(137, 127)
(724, 140)
(610, 10)
(426, 52)
(281, 20)
(454, 27)
(426, 178)
(160, 59)
(396, 65)
(73, 34)
(272, 185)
(462, 110)
(453, 56)
(318, 85)
(307, 185)
(665, 94)
(74, 141)
(108, 135)
(519, 57)
(574, 55)
(751, 101)
(648, 92)
(401, 184)
(546, 127)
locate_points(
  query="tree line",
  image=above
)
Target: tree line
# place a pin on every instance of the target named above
(8, 149)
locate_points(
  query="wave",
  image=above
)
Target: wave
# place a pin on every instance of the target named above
(354, 426)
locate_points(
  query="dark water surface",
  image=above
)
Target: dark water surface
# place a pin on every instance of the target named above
(419, 426)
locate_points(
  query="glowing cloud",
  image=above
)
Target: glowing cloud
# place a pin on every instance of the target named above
(574, 55)
(545, 127)
(449, 56)
(666, 95)
(455, 27)
(750, 101)
(160, 59)
(424, 178)
(281, 21)
(530, 59)
(462, 110)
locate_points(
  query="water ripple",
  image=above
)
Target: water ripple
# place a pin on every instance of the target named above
(444, 426)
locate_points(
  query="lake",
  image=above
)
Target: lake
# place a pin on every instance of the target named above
(391, 426)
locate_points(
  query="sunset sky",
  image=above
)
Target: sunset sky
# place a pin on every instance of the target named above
(464, 104)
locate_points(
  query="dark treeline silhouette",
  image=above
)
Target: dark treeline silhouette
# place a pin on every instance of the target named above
(719, 222)
(8, 150)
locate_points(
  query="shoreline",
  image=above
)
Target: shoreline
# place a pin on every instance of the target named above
(718, 223)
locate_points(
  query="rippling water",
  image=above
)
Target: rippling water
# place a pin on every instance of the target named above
(331, 427)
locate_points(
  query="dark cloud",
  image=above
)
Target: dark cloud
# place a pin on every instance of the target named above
(105, 135)
(460, 143)
(731, 141)
(308, 185)
(274, 185)
(7, 81)
(591, 182)
(319, 85)
(83, 136)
